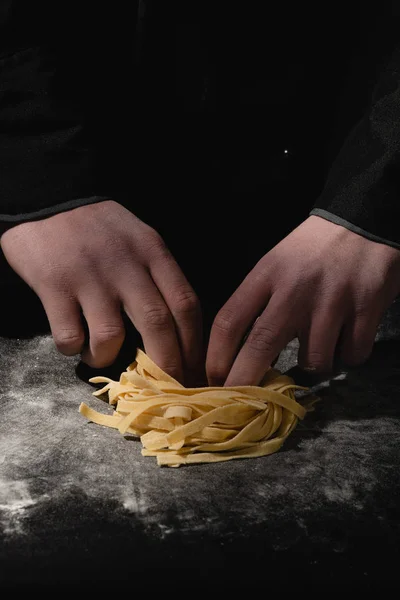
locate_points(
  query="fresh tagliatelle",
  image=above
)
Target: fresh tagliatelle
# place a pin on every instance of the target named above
(182, 425)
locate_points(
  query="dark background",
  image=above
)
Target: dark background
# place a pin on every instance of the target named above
(193, 117)
(217, 126)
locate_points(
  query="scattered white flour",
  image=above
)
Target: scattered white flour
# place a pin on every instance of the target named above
(133, 501)
(15, 499)
(340, 492)
(49, 452)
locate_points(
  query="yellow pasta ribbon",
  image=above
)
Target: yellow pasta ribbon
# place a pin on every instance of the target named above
(181, 425)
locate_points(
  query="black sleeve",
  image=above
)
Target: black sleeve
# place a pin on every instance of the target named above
(362, 191)
(67, 106)
(47, 158)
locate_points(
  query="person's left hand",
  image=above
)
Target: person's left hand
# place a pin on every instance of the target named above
(323, 284)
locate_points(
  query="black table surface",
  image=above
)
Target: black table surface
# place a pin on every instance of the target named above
(80, 505)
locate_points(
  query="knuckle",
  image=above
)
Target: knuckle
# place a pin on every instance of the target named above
(315, 362)
(107, 333)
(186, 303)
(54, 277)
(362, 306)
(68, 341)
(261, 339)
(365, 300)
(155, 244)
(156, 316)
(224, 323)
(172, 369)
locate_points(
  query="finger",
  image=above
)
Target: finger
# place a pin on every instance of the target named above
(184, 307)
(231, 325)
(146, 308)
(319, 340)
(273, 330)
(358, 339)
(64, 315)
(103, 316)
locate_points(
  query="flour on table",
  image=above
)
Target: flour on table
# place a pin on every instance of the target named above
(49, 454)
(15, 500)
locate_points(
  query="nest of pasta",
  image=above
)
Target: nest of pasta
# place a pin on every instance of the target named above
(181, 425)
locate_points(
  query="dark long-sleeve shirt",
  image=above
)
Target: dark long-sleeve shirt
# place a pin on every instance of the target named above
(65, 96)
(70, 112)
(362, 192)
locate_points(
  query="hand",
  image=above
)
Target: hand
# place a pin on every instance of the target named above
(98, 259)
(323, 284)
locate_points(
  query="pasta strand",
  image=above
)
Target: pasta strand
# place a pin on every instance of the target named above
(181, 425)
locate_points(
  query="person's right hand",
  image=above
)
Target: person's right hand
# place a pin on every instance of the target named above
(100, 259)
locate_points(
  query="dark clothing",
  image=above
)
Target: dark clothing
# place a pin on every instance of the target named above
(167, 110)
(363, 188)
